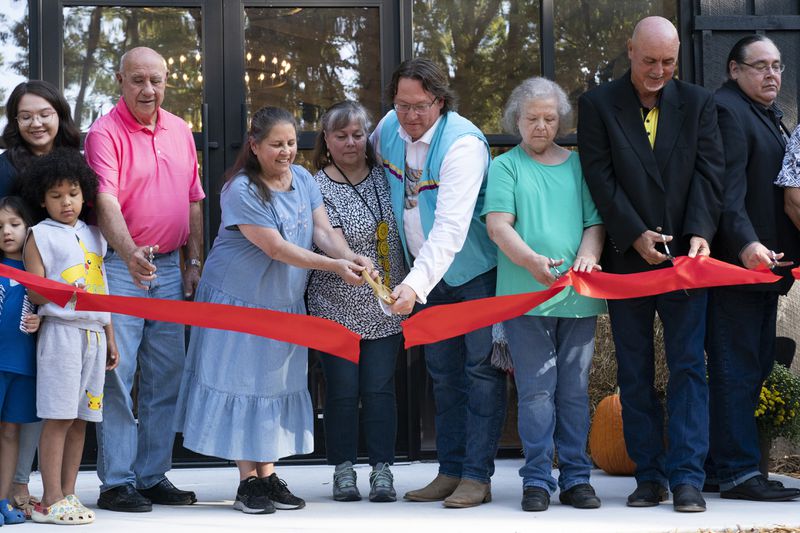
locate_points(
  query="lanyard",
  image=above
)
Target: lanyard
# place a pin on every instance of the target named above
(363, 200)
(381, 228)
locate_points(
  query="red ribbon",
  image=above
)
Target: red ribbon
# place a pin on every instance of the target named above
(445, 321)
(796, 273)
(431, 325)
(313, 332)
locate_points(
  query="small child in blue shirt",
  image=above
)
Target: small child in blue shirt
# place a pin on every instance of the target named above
(18, 323)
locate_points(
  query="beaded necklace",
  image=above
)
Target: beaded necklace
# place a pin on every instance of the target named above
(381, 229)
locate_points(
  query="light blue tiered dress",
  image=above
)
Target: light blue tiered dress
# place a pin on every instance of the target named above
(245, 397)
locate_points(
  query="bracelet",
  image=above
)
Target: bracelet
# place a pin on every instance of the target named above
(193, 262)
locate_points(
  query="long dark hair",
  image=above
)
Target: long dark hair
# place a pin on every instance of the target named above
(18, 206)
(338, 117)
(68, 135)
(430, 75)
(247, 163)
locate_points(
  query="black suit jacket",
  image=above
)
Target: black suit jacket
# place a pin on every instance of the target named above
(674, 188)
(752, 205)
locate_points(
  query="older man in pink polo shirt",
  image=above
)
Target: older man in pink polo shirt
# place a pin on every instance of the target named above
(148, 208)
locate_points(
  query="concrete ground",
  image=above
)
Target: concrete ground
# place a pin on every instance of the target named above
(216, 488)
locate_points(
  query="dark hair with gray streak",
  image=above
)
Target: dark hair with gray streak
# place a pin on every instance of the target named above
(430, 75)
(739, 51)
(337, 117)
(536, 89)
(247, 163)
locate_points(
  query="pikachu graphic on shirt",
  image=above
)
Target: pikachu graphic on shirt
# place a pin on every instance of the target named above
(90, 271)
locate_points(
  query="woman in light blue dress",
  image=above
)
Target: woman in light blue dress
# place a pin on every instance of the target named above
(245, 397)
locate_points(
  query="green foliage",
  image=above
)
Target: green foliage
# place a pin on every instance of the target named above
(778, 411)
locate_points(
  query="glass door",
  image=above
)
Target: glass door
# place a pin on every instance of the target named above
(304, 57)
(225, 59)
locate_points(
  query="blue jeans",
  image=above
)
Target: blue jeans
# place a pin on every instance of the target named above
(551, 359)
(684, 319)
(372, 382)
(138, 450)
(741, 351)
(470, 394)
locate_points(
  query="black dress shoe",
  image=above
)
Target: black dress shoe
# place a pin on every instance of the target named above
(124, 499)
(714, 487)
(759, 489)
(165, 493)
(580, 497)
(647, 494)
(535, 499)
(687, 499)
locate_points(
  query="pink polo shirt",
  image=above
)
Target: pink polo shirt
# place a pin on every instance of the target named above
(153, 174)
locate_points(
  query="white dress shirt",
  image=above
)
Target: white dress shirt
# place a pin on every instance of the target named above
(460, 181)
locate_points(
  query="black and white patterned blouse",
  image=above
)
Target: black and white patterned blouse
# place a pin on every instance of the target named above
(789, 176)
(356, 307)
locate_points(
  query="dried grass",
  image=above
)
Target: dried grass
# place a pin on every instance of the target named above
(603, 374)
(788, 465)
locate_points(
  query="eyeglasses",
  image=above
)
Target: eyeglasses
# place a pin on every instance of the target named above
(417, 108)
(45, 117)
(763, 68)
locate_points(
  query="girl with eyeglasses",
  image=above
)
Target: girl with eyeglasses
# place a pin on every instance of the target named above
(39, 119)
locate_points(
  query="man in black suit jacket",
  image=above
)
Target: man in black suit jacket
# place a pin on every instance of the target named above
(652, 157)
(753, 231)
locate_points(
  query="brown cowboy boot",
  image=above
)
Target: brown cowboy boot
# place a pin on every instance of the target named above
(435, 491)
(469, 493)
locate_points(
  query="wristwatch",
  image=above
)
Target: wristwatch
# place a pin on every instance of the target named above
(193, 262)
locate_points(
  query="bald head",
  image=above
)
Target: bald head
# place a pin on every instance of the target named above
(142, 78)
(657, 28)
(653, 51)
(138, 53)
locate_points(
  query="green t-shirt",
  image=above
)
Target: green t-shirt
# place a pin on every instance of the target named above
(552, 207)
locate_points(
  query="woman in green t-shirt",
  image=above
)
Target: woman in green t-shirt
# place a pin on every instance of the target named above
(539, 212)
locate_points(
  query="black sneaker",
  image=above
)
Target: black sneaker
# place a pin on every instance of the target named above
(124, 499)
(165, 493)
(279, 493)
(251, 497)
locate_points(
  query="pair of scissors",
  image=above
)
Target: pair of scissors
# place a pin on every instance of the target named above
(556, 273)
(670, 257)
(151, 256)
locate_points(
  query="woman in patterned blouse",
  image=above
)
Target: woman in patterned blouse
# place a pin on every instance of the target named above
(356, 197)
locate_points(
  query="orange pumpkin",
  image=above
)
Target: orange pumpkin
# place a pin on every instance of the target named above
(606, 440)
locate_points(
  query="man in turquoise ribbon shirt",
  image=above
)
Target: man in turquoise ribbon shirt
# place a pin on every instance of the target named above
(436, 164)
